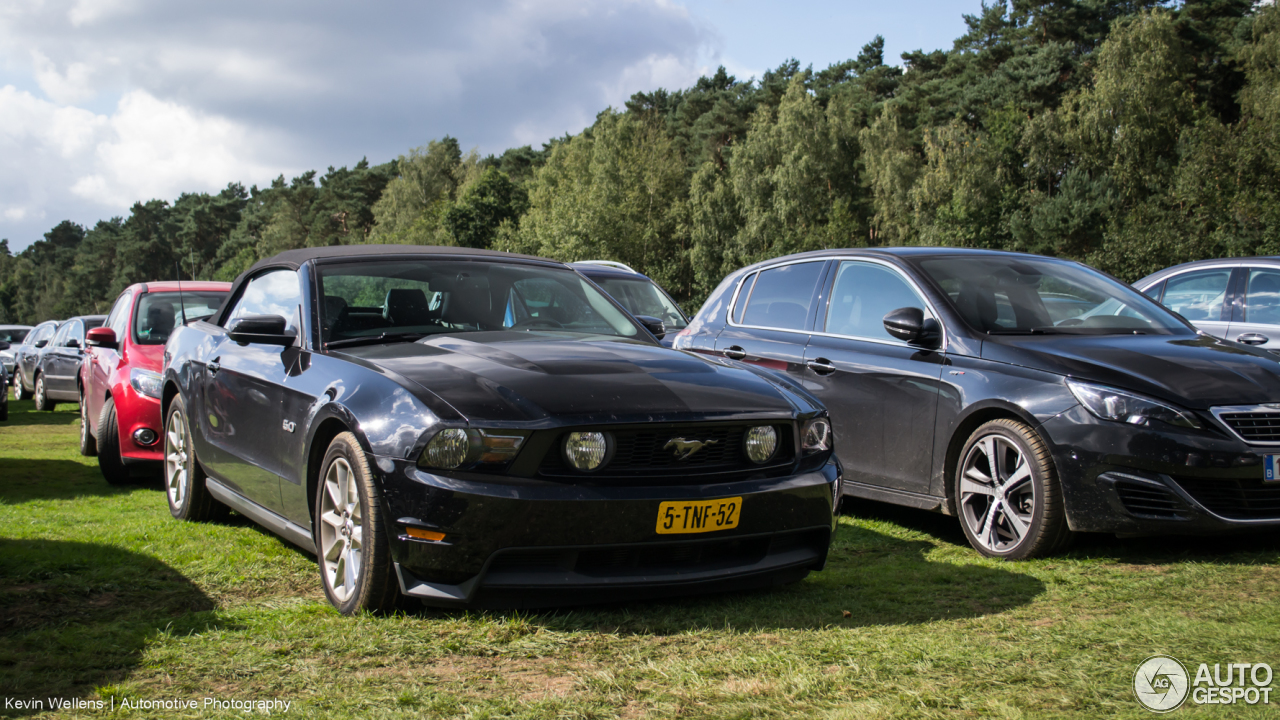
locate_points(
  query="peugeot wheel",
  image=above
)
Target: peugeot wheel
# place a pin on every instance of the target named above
(354, 554)
(88, 443)
(1007, 493)
(184, 479)
(109, 460)
(43, 402)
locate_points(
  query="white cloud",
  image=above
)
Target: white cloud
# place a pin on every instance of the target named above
(126, 100)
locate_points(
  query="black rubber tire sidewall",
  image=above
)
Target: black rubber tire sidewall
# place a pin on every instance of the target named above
(378, 589)
(109, 461)
(198, 504)
(1047, 531)
(43, 403)
(88, 443)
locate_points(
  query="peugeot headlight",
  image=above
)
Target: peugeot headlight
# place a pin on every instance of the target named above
(586, 450)
(453, 448)
(762, 440)
(1120, 406)
(146, 382)
(816, 436)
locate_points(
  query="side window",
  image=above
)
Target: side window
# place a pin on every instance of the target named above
(118, 320)
(1262, 297)
(1198, 295)
(781, 296)
(743, 294)
(1154, 291)
(44, 332)
(273, 293)
(60, 337)
(75, 331)
(862, 295)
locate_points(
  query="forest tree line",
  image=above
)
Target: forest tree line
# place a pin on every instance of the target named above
(1128, 134)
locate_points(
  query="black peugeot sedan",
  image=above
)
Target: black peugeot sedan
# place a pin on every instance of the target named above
(472, 427)
(1032, 397)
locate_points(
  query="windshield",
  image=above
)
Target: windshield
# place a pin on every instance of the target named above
(13, 336)
(158, 314)
(641, 297)
(425, 297)
(1004, 295)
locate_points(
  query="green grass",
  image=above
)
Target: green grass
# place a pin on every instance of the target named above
(104, 596)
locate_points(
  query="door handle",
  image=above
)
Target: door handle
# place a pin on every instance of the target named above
(1253, 339)
(822, 366)
(213, 366)
(734, 352)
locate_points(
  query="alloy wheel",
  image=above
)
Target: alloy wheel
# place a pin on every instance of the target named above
(176, 458)
(341, 529)
(997, 495)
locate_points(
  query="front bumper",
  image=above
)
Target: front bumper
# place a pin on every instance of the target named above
(537, 543)
(1133, 480)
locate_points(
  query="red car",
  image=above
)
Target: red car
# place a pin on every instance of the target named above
(120, 376)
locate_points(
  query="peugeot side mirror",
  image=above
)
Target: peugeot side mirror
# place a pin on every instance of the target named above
(72, 343)
(265, 329)
(41, 343)
(653, 325)
(101, 337)
(909, 325)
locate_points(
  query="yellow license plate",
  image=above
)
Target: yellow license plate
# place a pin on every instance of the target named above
(698, 516)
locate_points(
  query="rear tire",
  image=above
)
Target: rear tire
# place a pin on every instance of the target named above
(19, 390)
(43, 403)
(88, 443)
(352, 546)
(1008, 495)
(184, 479)
(108, 446)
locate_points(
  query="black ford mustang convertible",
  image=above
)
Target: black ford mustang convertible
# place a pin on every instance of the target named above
(468, 427)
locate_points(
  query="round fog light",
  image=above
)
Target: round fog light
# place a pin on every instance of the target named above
(145, 436)
(585, 450)
(762, 440)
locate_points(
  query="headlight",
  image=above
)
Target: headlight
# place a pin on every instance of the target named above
(586, 450)
(1111, 404)
(454, 447)
(817, 436)
(145, 382)
(762, 440)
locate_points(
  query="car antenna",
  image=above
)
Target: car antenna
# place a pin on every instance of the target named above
(182, 301)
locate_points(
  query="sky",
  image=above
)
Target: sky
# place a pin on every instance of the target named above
(107, 102)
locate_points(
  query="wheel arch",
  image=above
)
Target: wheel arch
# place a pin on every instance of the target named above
(970, 421)
(335, 421)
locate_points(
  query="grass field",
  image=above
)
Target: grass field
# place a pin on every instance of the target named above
(104, 597)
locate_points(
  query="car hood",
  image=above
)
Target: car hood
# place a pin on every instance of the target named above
(146, 357)
(518, 376)
(1194, 371)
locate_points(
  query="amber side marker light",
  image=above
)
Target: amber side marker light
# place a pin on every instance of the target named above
(421, 534)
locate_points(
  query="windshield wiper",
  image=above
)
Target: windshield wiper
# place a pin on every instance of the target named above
(1029, 331)
(374, 340)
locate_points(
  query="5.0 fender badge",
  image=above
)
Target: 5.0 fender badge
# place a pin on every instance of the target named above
(288, 426)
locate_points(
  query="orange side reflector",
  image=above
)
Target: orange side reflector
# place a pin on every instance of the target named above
(421, 534)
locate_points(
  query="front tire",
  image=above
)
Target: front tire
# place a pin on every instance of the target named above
(109, 461)
(184, 479)
(43, 403)
(19, 390)
(353, 548)
(88, 443)
(1008, 495)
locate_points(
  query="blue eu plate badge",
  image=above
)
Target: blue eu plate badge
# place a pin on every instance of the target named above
(1270, 473)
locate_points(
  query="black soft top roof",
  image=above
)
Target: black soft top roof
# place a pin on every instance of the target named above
(295, 258)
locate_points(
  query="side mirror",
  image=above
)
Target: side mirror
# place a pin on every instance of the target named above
(101, 337)
(908, 324)
(265, 329)
(653, 325)
(41, 343)
(72, 343)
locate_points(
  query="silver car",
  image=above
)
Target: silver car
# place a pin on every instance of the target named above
(12, 334)
(1234, 299)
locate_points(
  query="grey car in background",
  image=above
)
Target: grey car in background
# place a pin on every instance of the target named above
(640, 295)
(1233, 299)
(13, 335)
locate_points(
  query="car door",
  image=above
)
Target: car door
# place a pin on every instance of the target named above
(62, 362)
(771, 316)
(29, 354)
(1256, 319)
(881, 392)
(1201, 297)
(243, 394)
